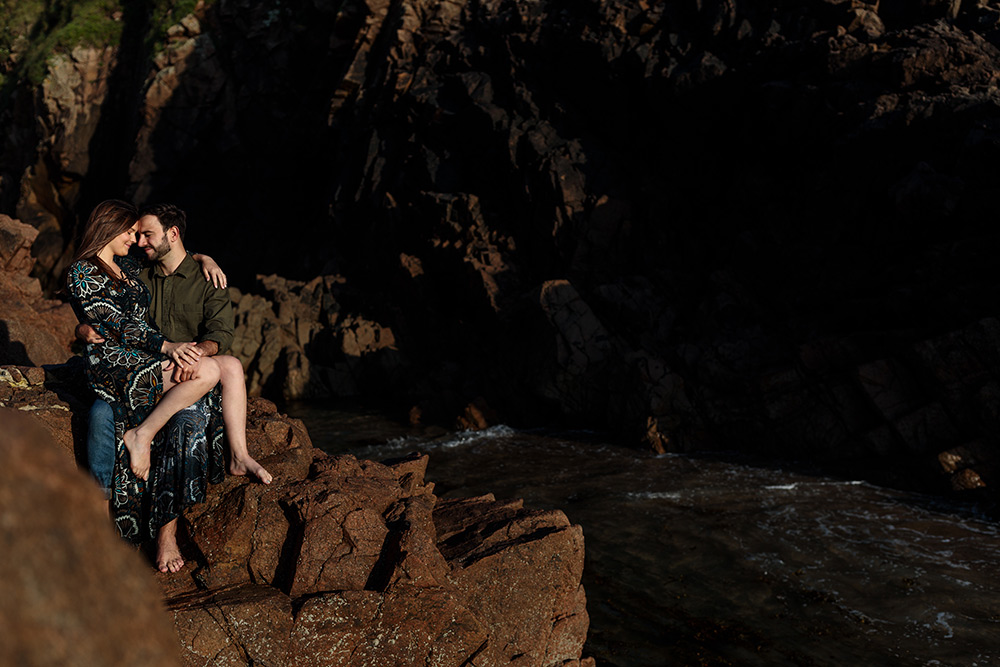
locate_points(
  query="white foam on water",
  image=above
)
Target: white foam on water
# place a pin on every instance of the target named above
(795, 485)
(463, 438)
(653, 495)
(942, 622)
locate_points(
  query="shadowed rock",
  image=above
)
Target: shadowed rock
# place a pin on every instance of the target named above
(71, 592)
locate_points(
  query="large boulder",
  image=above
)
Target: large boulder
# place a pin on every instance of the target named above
(71, 591)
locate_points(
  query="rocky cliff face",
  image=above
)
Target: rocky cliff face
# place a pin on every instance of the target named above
(698, 225)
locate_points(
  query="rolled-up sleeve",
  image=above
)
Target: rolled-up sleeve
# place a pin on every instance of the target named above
(218, 321)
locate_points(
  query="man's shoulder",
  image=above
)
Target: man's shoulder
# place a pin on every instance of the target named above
(195, 283)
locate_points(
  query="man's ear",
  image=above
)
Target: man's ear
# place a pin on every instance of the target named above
(173, 234)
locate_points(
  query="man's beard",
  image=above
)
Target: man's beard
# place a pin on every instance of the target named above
(159, 251)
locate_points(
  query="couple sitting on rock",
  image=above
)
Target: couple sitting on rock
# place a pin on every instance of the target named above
(155, 331)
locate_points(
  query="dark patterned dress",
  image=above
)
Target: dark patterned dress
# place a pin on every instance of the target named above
(126, 371)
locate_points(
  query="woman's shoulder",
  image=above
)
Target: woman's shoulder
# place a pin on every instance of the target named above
(129, 264)
(83, 268)
(84, 277)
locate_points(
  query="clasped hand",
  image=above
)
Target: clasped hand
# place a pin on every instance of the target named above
(184, 360)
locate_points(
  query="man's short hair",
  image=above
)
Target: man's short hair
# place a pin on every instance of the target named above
(168, 215)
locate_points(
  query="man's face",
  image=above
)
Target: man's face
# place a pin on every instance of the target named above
(152, 238)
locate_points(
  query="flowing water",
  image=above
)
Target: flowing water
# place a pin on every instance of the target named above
(704, 561)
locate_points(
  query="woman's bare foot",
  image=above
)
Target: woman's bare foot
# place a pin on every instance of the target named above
(168, 554)
(138, 452)
(247, 465)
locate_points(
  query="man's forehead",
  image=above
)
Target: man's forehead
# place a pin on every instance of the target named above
(150, 223)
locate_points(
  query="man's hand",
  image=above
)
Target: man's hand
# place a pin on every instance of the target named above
(185, 371)
(88, 334)
(181, 354)
(209, 348)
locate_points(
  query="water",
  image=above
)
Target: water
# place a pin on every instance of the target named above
(702, 561)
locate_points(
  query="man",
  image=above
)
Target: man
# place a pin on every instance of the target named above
(185, 307)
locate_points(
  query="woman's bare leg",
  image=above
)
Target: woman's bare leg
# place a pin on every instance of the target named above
(176, 397)
(168, 554)
(234, 415)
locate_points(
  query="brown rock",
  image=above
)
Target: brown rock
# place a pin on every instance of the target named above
(339, 514)
(241, 528)
(537, 613)
(69, 589)
(406, 626)
(967, 479)
(379, 572)
(414, 551)
(33, 330)
(247, 625)
(477, 416)
(23, 387)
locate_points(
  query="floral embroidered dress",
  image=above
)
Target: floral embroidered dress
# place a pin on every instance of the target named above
(126, 371)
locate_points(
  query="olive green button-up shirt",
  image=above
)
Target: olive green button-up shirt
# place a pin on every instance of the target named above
(186, 307)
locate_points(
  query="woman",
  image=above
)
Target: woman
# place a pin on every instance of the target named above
(126, 370)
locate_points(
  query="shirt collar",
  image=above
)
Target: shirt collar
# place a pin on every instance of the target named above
(188, 267)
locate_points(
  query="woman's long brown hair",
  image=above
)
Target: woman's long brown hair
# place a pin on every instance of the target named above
(108, 219)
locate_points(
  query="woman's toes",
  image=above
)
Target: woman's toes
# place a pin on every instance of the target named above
(264, 476)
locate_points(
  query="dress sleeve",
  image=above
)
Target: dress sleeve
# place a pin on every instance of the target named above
(90, 291)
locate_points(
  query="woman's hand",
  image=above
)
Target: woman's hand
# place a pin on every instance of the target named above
(88, 334)
(210, 269)
(182, 353)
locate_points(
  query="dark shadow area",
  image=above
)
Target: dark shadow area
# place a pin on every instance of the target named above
(113, 143)
(11, 351)
(243, 145)
(290, 549)
(68, 382)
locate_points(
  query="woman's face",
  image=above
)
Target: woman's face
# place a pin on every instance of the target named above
(121, 243)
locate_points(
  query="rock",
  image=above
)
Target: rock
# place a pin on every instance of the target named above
(520, 573)
(71, 590)
(339, 518)
(298, 316)
(51, 400)
(477, 416)
(405, 626)
(348, 558)
(249, 624)
(33, 330)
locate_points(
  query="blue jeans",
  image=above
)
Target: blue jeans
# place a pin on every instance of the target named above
(101, 443)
